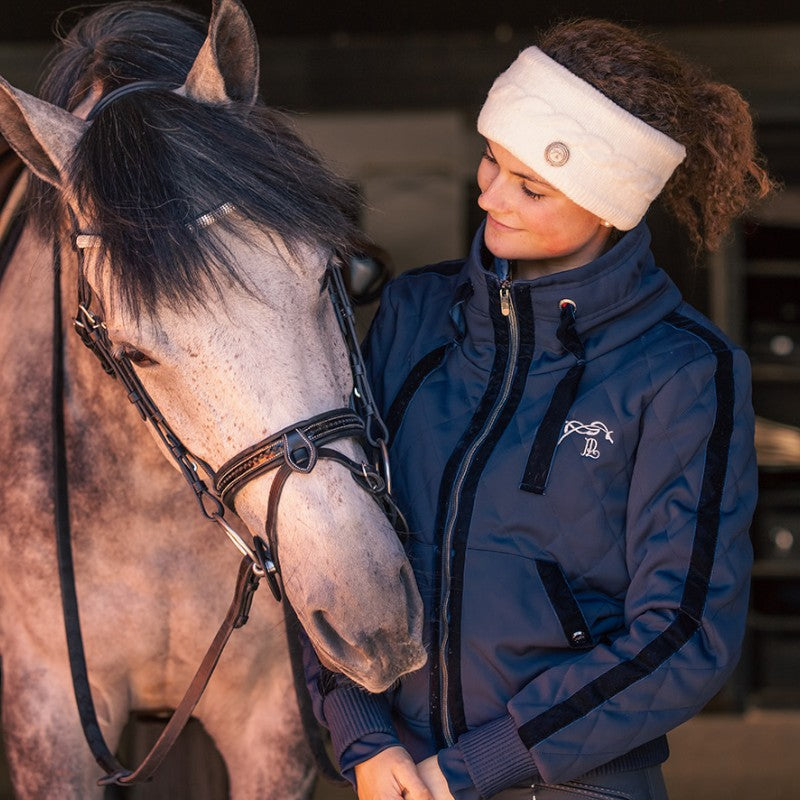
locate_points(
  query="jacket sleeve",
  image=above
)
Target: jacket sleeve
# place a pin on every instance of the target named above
(688, 552)
(351, 714)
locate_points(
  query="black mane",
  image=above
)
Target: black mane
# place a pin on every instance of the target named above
(153, 161)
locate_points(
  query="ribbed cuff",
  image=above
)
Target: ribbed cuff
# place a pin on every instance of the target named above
(496, 757)
(351, 713)
(454, 769)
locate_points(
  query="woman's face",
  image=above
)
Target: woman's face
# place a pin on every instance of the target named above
(530, 221)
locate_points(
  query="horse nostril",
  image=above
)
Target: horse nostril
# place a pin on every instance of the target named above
(413, 603)
(327, 633)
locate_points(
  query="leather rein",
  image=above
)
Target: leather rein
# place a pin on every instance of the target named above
(294, 449)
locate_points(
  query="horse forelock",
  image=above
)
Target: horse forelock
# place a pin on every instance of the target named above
(111, 46)
(154, 161)
(151, 162)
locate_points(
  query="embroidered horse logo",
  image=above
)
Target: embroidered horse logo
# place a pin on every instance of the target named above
(590, 430)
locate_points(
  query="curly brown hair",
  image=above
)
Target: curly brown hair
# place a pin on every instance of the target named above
(722, 175)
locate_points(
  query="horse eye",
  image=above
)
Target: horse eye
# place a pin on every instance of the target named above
(139, 358)
(134, 355)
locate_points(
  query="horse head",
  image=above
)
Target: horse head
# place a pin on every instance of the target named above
(206, 226)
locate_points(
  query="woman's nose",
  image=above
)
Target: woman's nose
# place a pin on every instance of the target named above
(493, 197)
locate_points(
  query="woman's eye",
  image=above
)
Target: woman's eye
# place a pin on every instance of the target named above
(489, 157)
(526, 191)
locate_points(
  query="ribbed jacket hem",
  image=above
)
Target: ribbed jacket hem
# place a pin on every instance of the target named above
(496, 757)
(352, 713)
(646, 755)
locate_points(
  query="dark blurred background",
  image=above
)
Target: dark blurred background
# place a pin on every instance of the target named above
(389, 92)
(34, 20)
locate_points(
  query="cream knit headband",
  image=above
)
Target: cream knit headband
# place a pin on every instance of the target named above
(600, 156)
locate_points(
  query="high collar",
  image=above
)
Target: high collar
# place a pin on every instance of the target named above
(618, 296)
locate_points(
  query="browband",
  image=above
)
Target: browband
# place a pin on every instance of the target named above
(128, 88)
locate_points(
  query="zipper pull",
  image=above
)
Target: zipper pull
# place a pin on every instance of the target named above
(505, 298)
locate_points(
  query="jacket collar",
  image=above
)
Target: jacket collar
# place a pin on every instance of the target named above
(618, 295)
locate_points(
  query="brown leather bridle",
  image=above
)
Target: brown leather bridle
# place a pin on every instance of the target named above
(294, 449)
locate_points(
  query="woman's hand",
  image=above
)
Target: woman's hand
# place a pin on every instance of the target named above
(430, 772)
(391, 775)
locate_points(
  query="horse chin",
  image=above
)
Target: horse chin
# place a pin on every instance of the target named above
(373, 667)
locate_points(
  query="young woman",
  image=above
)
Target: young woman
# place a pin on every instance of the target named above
(572, 444)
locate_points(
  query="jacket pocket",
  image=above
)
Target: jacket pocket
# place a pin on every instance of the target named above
(573, 623)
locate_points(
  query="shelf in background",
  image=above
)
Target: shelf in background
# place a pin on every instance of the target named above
(774, 623)
(774, 372)
(773, 268)
(776, 568)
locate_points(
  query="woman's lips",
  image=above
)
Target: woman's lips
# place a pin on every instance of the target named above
(493, 221)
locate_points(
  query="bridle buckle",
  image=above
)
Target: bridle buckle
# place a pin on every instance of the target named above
(264, 558)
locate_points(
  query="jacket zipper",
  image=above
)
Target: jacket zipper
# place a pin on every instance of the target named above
(505, 298)
(508, 310)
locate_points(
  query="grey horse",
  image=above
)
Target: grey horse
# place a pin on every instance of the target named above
(233, 341)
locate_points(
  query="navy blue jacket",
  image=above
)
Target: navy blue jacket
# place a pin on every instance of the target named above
(579, 478)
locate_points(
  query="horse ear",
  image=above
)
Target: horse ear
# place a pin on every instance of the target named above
(44, 135)
(226, 68)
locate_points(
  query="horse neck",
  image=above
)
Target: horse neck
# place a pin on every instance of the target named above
(25, 309)
(103, 429)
